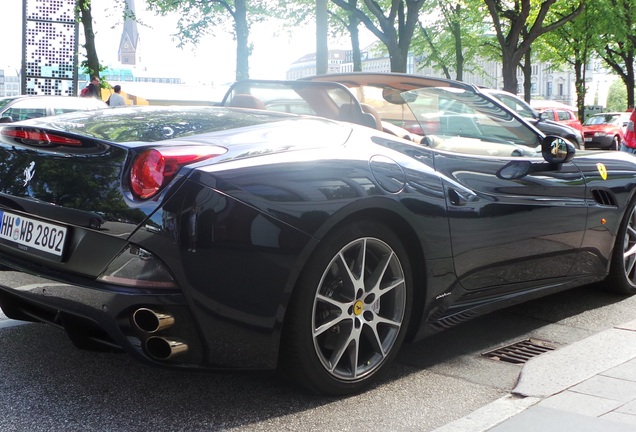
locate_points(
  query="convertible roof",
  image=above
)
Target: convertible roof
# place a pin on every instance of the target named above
(398, 81)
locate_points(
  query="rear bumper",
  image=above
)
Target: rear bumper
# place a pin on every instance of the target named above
(100, 319)
(599, 142)
(233, 285)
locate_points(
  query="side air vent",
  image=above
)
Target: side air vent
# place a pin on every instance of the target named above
(453, 320)
(604, 197)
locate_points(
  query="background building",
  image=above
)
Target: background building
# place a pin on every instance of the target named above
(129, 49)
(9, 82)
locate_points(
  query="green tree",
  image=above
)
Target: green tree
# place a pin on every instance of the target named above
(619, 41)
(392, 22)
(518, 23)
(340, 23)
(200, 17)
(450, 39)
(573, 45)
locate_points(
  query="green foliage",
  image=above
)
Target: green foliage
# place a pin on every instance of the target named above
(86, 70)
(618, 40)
(202, 17)
(452, 36)
(616, 97)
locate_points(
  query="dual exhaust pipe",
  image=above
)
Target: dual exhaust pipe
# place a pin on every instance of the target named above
(158, 347)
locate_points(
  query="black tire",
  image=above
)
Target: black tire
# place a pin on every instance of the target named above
(616, 142)
(341, 329)
(622, 274)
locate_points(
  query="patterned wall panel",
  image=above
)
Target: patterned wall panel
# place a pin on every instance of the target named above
(50, 47)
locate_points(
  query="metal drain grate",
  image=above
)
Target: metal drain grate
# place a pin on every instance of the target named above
(520, 352)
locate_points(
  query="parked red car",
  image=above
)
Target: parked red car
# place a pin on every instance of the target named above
(562, 115)
(558, 112)
(605, 130)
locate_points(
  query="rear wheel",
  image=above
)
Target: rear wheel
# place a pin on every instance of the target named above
(349, 312)
(622, 276)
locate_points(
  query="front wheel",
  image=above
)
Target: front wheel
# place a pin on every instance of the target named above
(622, 276)
(349, 312)
(616, 142)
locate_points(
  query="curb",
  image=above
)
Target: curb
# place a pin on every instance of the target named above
(552, 373)
(546, 375)
(489, 416)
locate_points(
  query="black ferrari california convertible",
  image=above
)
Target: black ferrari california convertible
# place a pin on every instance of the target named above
(304, 226)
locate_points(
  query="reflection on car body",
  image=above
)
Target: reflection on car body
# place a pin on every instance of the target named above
(248, 239)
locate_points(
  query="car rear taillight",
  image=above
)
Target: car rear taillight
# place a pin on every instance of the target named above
(39, 138)
(154, 168)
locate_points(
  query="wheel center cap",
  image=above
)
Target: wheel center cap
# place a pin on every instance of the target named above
(358, 307)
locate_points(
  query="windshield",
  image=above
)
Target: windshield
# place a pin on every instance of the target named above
(446, 114)
(611, 119)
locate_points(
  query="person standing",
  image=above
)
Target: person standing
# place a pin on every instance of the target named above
(116, 100)
(93, 89)
(629, 141)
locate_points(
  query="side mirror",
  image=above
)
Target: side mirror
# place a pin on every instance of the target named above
(557, 150)
(6, 119)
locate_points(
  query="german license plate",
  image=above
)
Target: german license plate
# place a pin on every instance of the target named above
(588, 139)
(32, 235)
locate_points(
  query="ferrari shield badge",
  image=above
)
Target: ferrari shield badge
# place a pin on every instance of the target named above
(602, 170)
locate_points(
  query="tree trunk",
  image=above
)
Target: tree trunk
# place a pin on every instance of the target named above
(629, 81)
(355, 42)
(243, 50)
(527, 77)
(579, 85)
(509, 74)
(398, 61)
(322, 31)
(456, 29)
(86, 17)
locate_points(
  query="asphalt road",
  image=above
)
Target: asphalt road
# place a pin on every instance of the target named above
(48, 385)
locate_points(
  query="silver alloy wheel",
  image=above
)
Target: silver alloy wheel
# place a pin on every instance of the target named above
(629, 248)
(358, 309)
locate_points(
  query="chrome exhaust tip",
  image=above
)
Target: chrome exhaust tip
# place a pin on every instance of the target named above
(150, 321)
(164, 349)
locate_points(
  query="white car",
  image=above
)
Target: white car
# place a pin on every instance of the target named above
(17, 108)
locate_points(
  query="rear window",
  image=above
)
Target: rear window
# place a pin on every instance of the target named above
(24, 113)
(564, 115)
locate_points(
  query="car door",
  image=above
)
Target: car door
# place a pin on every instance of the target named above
(511, 230)
(514, 219)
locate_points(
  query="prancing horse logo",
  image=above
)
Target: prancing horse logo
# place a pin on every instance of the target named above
(29, 172)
